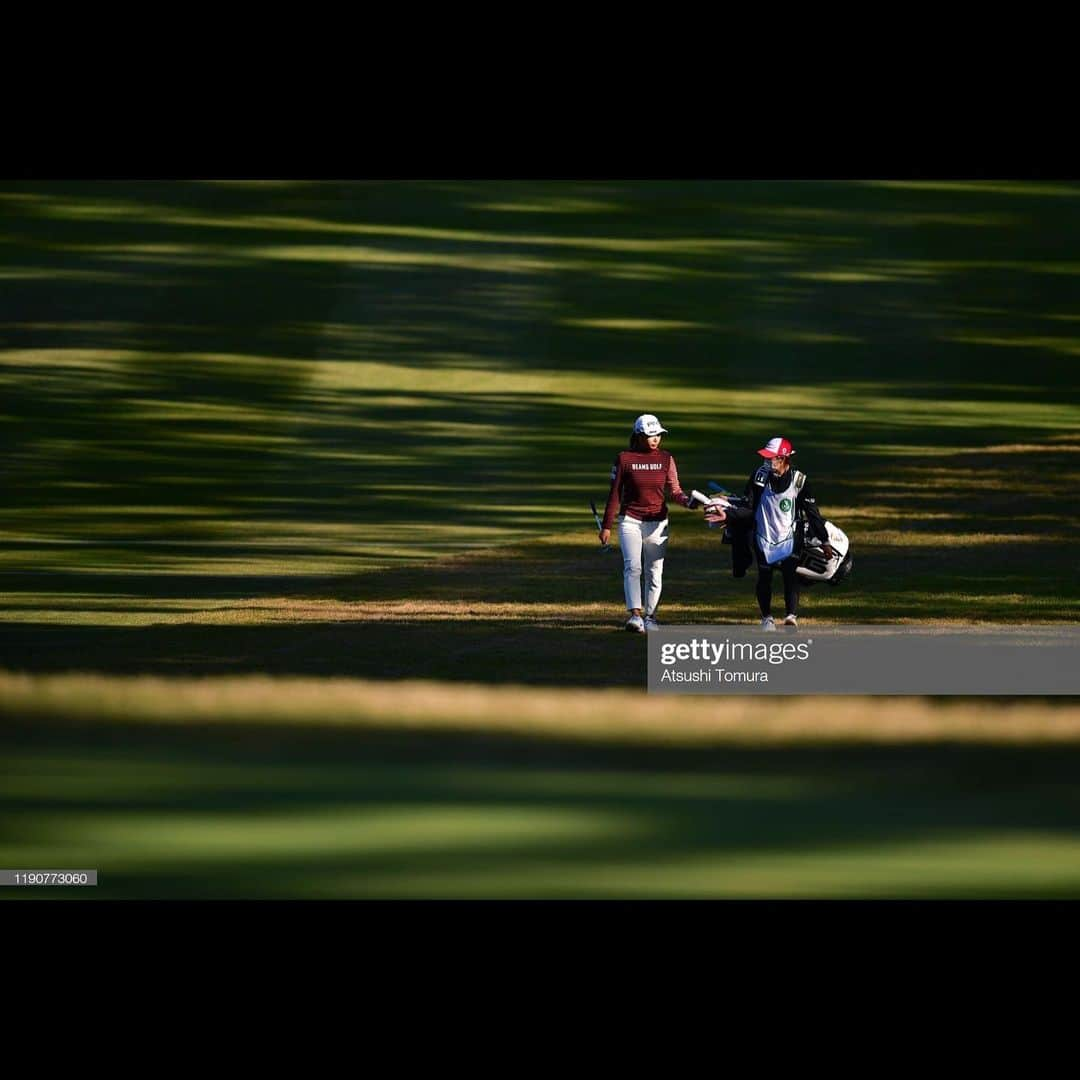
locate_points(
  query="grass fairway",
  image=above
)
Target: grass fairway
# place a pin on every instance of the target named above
(348, 433)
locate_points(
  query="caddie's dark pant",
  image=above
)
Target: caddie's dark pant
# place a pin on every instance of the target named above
(791, 584)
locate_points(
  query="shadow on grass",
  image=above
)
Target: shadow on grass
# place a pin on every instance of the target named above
(540, 652)
(321, 391)
(531, 614)
(539, 616)
(276, 813)
(174, 344)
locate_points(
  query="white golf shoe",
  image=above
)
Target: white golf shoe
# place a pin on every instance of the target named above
(651, 623)
(768, 623)
(635, 624)
(791, 620)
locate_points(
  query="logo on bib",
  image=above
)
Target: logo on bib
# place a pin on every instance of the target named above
(785, 505)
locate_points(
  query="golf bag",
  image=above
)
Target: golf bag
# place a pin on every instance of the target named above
(814, 566)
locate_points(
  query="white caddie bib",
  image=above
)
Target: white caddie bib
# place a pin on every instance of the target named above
(774, 521)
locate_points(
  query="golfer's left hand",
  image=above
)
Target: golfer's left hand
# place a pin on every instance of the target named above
(829, 551)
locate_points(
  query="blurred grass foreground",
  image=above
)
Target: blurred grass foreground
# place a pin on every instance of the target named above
(301, 594)
(259, 788)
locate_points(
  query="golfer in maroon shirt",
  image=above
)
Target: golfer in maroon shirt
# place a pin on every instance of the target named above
(640, 478)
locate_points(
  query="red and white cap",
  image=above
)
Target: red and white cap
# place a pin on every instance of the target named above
(776, 448)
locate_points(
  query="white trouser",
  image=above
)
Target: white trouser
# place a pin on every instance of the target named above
(643, 544)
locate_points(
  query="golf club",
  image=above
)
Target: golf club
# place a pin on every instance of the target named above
(599, 525)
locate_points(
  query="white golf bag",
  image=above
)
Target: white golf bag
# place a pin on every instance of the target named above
(815, 566)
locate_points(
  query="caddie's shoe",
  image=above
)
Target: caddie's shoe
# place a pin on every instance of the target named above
(791, 620)
(635, 624)
(768, 623)
(651, 623)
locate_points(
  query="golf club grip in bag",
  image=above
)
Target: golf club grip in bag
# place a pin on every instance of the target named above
(706, 500)
(714, 502)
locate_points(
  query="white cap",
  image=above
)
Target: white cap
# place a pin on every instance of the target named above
(647, 424)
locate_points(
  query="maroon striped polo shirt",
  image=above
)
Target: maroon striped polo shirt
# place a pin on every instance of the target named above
(638, 483)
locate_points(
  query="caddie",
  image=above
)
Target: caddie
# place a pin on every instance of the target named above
(779, 501)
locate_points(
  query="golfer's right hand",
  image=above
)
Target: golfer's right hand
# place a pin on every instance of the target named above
(605, 535)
